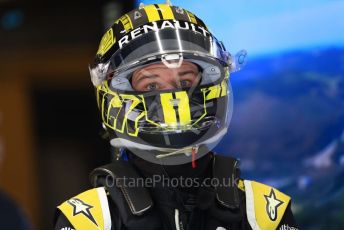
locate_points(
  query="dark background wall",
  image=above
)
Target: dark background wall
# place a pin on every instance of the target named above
(49, 124)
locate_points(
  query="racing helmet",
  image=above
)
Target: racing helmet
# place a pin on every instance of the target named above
(181, 123)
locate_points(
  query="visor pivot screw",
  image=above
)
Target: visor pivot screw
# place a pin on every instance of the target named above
(137, 15)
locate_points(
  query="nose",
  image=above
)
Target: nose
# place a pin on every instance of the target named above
(171, 80)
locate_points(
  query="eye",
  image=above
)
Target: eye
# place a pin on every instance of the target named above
(185, 83)
(151, 87)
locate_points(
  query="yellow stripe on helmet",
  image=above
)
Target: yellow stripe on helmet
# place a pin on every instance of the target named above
(183, 108)
(108, 40)
(126, 21)
(224, 87)
(166, 12)
(152, 13)
(168, 110)
(213, 92)
(192, 17)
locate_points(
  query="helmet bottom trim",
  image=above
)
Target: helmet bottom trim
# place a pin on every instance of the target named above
(169, 156)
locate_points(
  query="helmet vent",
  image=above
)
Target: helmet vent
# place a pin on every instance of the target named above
(172, 61)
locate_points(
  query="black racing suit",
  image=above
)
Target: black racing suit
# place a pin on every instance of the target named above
(190, 207)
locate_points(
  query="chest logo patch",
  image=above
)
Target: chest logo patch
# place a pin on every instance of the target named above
(272, 204)
(80, 207)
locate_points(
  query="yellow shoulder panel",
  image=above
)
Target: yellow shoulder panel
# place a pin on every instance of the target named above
(265, 206)
(88, 210)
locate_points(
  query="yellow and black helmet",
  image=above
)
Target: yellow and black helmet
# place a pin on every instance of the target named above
(160, 124)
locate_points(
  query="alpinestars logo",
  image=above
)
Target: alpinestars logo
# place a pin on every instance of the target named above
(81, 207)
(67, 228)
(272, 204)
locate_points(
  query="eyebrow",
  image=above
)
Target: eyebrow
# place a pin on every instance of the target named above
(153, 76)
(145, 76)
(187, 72)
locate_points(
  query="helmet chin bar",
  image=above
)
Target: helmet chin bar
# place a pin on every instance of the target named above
(205, 124)
(186, 150)
(141, 123)
(184, 154)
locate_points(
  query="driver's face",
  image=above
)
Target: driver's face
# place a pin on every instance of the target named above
(159, 77)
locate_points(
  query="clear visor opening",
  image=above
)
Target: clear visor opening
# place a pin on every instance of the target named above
(168, 72)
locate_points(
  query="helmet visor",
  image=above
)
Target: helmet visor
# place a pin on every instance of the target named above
(167, 72)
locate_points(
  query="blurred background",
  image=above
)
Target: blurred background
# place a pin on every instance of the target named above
(288, 122)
